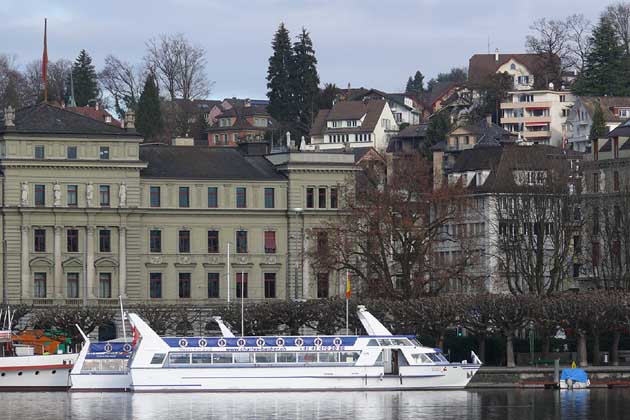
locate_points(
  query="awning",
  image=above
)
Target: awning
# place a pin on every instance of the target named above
(537, 107)
(529, 124)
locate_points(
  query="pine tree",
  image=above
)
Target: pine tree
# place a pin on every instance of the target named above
(418, 83)
(84, 79)
(410, 89)
(598, 127)
(278, 78)
(439, 126)
(149, 121)
(305, 82)
(606, 64)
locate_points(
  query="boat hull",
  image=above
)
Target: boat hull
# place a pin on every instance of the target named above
(31, 373)
(100, 382)
(300, 379)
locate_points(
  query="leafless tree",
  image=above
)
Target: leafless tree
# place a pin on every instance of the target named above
(551, 42)
(579, 33)
(122, 81)
(619, 16)
(12, 84)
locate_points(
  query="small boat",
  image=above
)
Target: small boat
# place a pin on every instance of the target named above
(378, 361)
(574, 378)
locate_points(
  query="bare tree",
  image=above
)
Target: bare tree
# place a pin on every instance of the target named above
(579, 33)
(552, 42)
(122, 81)
(12, 84)
(619, 16)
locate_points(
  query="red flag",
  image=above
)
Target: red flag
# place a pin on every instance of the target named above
(45, 63)
(348, 288)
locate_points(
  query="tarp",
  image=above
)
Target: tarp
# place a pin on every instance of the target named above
(576, 374)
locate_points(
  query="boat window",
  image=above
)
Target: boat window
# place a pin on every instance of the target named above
(400, 342)
(349, 357)
(420, 358)
(221, 357)
(329, 357)
(379, 359)
(307, 357)
(265, 357)
(286, 358)
(415, 342)
(179, 358)
(243, 357)
(441, 357)
(158, 358)
(372, 343)
(437, 357)
(202, 358)
(385, 342)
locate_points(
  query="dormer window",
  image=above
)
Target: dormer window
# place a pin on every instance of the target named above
(108, 119)
(624, 112)
(224, 122)
(260, 122)
(512, 66)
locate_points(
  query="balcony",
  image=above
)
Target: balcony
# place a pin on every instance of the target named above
(536, 134)
(513, 105)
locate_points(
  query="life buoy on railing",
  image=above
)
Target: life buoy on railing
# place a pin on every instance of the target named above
(337, 342)
(299, 342)
(260, 342)
(280, 342)
(318, 342)
(127, 347)
(183, 343)
(241, 342)
(202, 342)
(221, 342)
(108, 348)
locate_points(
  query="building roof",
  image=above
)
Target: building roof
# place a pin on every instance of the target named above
(241, 113)
(97, 113)
(414, 130)
(192, 162)
(48, 119)
(489, 133)
(349, 110)
(482, 65)
(622, 130)
(398, 98)
(608, 104)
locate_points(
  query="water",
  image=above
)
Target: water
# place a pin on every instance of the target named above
(435, 405)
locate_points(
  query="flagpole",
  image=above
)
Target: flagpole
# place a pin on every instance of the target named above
(347, 299)
(242, 304)
(45, 62)
(122, 318)
(228, 273)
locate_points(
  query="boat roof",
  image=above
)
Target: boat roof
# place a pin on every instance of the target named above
(274, 341)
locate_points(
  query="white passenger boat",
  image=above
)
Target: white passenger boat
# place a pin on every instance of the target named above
(379, 361)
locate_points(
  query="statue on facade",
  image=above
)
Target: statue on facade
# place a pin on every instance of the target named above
(122, 195)
(57, 194)
(24, 195)
(89, 194)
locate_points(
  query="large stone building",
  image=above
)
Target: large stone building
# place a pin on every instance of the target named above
(88, 214)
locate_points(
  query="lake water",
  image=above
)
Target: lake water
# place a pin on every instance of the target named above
(453, 405)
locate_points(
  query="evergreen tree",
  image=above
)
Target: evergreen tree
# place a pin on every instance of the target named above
(327, 96)
(305, 82)
(418, 83)
(278, 78)
(606, 64)
(149, 121)
(410, 89)
(437, 130)
(84, 79)
(598, 127)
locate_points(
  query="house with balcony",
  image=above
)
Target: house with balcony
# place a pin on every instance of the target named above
(537, 116)
(616, 109)
(353, 124)
(523, 68)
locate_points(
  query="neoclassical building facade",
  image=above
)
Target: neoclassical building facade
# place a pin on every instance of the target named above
(89, 213)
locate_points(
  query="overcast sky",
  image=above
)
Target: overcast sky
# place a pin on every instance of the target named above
(361, 42)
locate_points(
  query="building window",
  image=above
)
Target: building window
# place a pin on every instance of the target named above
(595, 220)
(213, 197)
(563, 98)
(241, 285)
(270, 285)
(241, 197)
(615, 181)
(40, 240)
(576, 270)
(155, 241)
(213, 285)
(577, 245)
(595, 149)
(72, 284)
(184, 197)
(615, 143)
(596, 182)
(104, 195)
(213, 242)
(310, 198)
(105, 240)
(40, 195)
(71, 152)
(155, 285)
(321, 195)
(72, 192)
(322, 241)
(241, 242)
(103, 153)
(105, 285)
(155, 197)
(72, 240)
(39, 152)
(334, 200)
(184, 285)
(595, 254)
(40, 285)
(184, 241)
(270, 242)
(322, 285)
(270, 199)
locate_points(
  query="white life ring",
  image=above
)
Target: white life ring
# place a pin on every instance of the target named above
(280, 342)
(221, 342)
(299, 342)
(241, 342)
(337, 342)
(127, 347)
(318, 342)
(203, 342)
(183, 343)
(108, 348)
(260, 342)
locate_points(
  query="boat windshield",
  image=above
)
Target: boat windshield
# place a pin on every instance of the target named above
(394, 342)
(437, 357)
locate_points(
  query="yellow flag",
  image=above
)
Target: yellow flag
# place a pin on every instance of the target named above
(348, 289)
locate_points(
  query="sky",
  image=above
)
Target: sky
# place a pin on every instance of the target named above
(368, 43)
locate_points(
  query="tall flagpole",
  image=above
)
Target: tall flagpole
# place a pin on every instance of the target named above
(45, 62)
(348, 291)
(242, 304)
(228, 273)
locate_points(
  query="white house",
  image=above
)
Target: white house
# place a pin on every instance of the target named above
(616, 109)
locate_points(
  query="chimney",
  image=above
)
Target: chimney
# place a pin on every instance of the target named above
(496, 55)
(130, 120)
(9, 117)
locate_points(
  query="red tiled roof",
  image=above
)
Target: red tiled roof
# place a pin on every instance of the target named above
(482, 65)
(97, 114)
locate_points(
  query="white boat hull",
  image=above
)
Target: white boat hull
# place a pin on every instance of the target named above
(46, 372)
(300, 378)
(84, 382)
